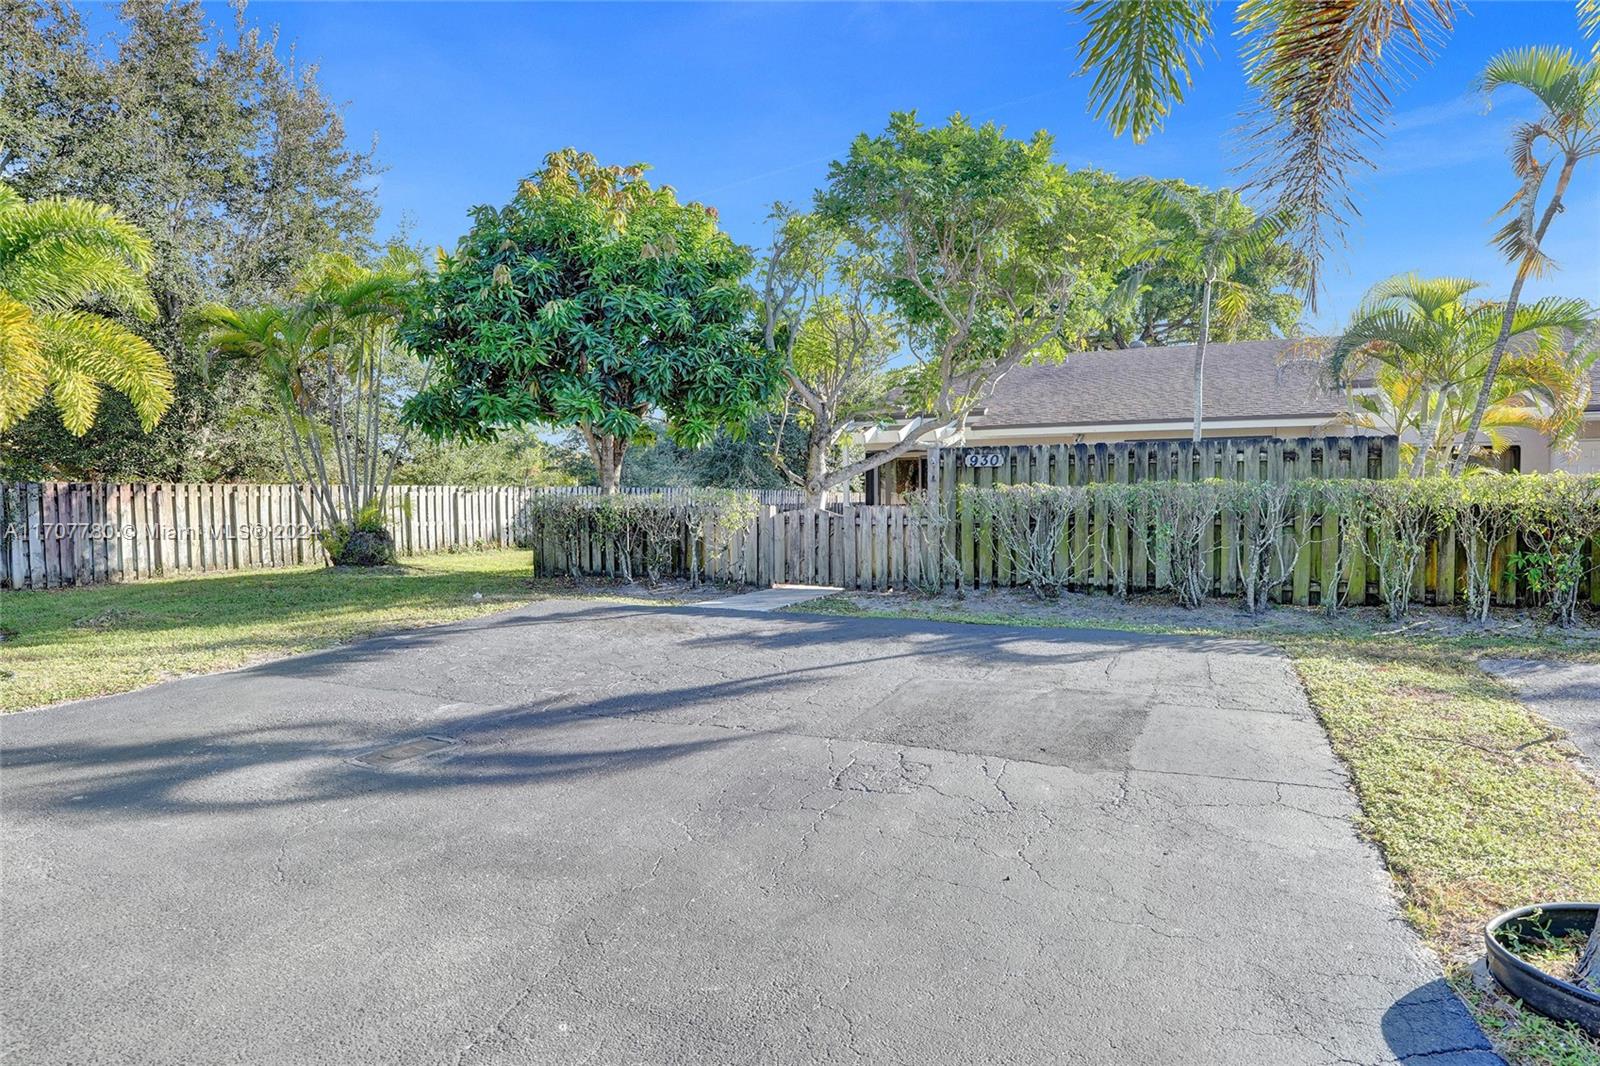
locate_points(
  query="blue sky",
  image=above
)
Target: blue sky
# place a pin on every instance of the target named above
(739, 105)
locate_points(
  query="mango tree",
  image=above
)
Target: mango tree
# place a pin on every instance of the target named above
(591, 301)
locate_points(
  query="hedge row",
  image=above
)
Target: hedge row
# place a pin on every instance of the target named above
(1549, 520)
(658, 532)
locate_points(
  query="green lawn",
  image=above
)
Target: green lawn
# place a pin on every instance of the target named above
(1475, 802)
(72, 643)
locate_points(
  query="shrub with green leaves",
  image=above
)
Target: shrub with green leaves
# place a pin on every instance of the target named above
(649, 531)
(1557, 525)
(1543, 526)
(1263, 554)
(1029, 522)
(1404, 514)
(1185, 512)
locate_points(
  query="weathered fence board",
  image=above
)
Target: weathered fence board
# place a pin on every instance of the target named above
(59, 534)
(881, 548)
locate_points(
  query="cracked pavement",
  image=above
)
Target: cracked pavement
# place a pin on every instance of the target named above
(693, 836)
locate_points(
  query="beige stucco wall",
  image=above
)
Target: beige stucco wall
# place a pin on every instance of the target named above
(1585, 458)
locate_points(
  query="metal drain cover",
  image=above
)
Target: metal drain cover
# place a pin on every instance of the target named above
(406, 749)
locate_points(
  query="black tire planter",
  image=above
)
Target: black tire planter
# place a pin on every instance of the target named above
(1550, 996)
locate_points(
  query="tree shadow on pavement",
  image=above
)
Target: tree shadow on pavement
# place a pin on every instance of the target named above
(1431, 1024)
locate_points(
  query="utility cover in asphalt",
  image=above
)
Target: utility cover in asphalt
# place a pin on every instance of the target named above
(685, 836)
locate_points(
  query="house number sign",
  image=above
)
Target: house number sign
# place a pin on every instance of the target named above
(982, 459)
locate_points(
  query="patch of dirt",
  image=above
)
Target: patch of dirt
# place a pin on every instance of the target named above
(1159, 610)
(110, 618)
(667, 592)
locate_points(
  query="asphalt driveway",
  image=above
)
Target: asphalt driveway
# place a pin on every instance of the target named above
(1565, 693)
(675, 836)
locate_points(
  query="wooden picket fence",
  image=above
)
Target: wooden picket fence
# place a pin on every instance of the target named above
(857, 547)
(57, 534)
(982, 565)
(886, 547)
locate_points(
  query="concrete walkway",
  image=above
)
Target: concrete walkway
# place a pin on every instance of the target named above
(686, 836)
(770, 599)
(1567, 694)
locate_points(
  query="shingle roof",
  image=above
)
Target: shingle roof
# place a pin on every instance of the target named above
(1246, 379)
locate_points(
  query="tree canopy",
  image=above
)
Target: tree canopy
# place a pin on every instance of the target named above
(591, 301)
(1160, 294)
(826, 317)
(225, 153)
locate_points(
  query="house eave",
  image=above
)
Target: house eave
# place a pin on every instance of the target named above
(979, 435)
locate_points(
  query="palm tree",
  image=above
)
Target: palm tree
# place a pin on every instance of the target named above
(1427, 346)
(1205, 239)
(328, 358)
(1569, 92)
(58, 257)
(1322, 72)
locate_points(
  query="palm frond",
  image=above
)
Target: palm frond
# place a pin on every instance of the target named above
(79, 345)
(1139, 55)
(70, 221)
(55, 255)
(1233, 302)
(1550, 74)
(24, 376)
(1552, 315)
(1323, 72)
(58, 273)
(76, 396)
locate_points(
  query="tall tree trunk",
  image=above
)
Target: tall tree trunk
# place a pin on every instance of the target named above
(816, 486)
(1426, 432)
(1200, 358)
(1552, 209)
(606, 451)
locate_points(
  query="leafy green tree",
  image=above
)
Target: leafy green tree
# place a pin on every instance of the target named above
(990, 254)
(591, 301)
(825, 316)
(1206, 240)
(1161, 306)
(1427, 345)
(226, 154)
(1569, 129)
(56, 257)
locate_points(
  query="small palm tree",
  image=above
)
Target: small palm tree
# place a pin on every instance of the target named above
(1569, 92)
(329, 358)
(58, 258)
(1427, 347)
(1206, 239)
